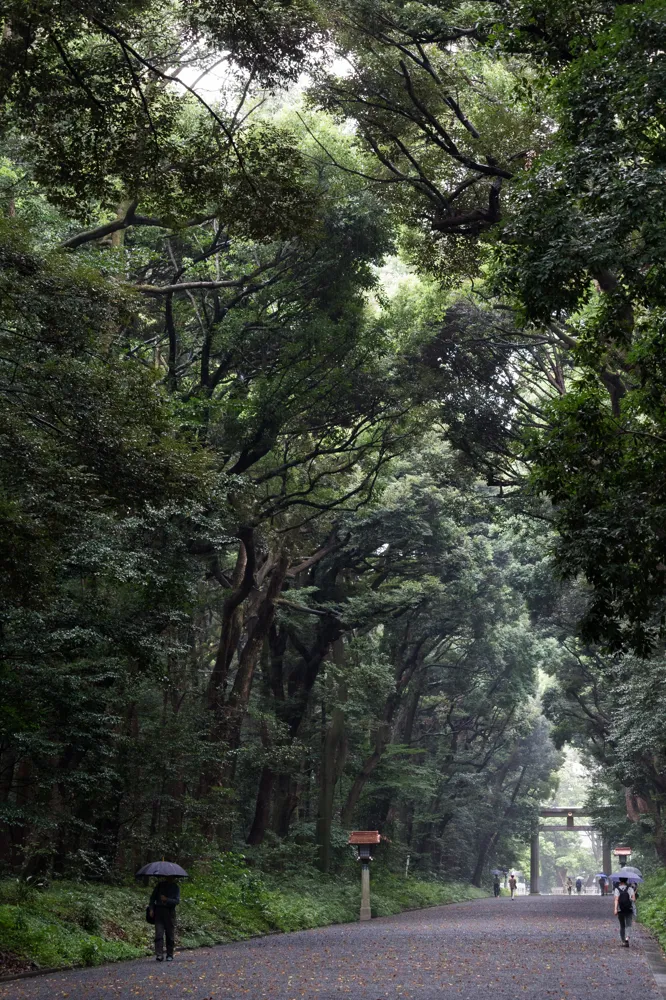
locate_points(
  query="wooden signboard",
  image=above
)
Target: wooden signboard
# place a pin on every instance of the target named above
(364, 837)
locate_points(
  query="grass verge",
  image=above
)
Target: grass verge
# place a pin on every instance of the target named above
(652, 905)
(68, 924)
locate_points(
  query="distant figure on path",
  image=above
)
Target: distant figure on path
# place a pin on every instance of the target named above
(163, 902)
(624, 908)
(579, 885)
(513, 884)
(602, 886)
(496, 886)
(569, 885)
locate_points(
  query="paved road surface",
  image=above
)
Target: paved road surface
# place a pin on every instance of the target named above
(547, 948)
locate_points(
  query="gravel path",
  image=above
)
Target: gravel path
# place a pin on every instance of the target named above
(528, 948)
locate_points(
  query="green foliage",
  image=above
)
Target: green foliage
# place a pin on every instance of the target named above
(226, 903)
(585, 249)
(652, 905)
(260, 581)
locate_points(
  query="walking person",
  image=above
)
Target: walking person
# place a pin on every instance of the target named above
(624, 908)
(496, 886)
(602, 886)
(569, 885)
(513, 885)
(579, 885)
(164, 899)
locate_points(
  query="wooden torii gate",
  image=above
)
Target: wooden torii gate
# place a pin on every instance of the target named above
(568, 813)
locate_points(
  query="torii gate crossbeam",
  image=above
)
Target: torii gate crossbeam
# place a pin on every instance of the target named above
(568, 813)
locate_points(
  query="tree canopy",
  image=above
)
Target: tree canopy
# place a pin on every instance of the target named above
(331, 418)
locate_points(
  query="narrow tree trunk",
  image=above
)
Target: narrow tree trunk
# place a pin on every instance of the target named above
(486, 843)
(369, 766)
(243, 581)
(7, 767)
(383, 736)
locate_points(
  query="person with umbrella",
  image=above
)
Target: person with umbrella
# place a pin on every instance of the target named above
(634, 876)
(625, 898)
(164, 899)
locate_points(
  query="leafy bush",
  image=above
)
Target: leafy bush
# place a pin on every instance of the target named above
(90, 917)
(652, 905)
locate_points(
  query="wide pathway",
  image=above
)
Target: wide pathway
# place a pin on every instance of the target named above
(491, 949)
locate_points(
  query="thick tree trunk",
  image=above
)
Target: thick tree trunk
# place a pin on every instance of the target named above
(229, 720)
(292, 711)
(262, 809)
(273, 677)
(332, 752)
(286, 801)
(239, 695)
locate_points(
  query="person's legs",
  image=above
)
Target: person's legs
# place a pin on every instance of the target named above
(170, 930)
(159, 933)
(628, 920)
(623, 923)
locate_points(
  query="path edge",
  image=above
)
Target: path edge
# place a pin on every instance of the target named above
(655, 958)
(33, 973)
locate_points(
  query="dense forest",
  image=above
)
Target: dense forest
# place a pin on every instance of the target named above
(333, 427)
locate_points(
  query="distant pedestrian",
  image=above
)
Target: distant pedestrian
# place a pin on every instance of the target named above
(569, 885)
(602, 886)
(624, 908)
(513, 885)
(579, 885)
(496, 886)
(163, 902)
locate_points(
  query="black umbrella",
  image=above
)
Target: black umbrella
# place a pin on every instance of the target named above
(162, 868)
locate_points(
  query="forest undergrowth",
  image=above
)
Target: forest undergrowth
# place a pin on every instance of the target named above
(652, 905)
(67, 923)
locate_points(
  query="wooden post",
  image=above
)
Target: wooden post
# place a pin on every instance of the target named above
(534, 862)
(606, 856)
(362, 840)
(365, 892)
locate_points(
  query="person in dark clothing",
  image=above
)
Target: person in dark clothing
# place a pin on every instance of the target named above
(624, 909)
(163, 902)
(496, 886)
